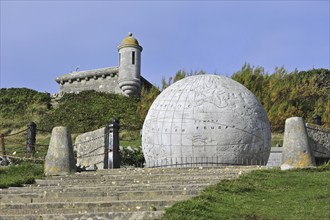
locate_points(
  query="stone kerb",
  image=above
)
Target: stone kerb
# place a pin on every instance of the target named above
(92, 148)
(297, 152)
(60, 158)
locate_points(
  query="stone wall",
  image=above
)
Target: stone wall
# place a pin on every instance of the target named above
(101, 80)
(92, 148)
(319, 139)
(106, 82)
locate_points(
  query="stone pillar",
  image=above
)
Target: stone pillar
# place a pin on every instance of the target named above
(296, 149)
(60, 158)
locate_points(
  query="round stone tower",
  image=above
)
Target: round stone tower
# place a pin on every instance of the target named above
(129, 66)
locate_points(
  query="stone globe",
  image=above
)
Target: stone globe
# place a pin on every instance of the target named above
(206, 120)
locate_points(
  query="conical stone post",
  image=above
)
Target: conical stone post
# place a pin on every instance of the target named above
(296, 149)
(60, 158)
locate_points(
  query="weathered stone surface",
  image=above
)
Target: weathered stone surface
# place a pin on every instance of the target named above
(206, 118)
(129, 65)
(101, 80)
(60, 158)
(91, 148)
(111, 194)
(296, 149)
(319, 139)
(99, 149)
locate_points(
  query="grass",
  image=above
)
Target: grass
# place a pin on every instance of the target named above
(264, 194)
(16, 145)
(24, 173)
(277, 138)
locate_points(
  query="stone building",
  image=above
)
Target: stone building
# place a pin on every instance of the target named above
(124, 79)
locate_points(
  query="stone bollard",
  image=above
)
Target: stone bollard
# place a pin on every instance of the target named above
(296, 149)
(60, 158)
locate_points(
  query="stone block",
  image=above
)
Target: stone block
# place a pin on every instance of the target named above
(319, 139)
(60, 158)
(92, 147)
(297, 152)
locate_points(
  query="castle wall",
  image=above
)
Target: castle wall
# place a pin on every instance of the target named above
(107, 84)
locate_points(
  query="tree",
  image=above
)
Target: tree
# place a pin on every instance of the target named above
(180, 74)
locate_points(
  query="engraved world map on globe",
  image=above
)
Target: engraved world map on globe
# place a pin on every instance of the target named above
(206, 118)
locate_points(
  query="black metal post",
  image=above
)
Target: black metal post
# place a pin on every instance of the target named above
(31, 137)
(114, 149)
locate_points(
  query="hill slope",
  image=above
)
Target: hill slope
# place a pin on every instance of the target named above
(19, 106)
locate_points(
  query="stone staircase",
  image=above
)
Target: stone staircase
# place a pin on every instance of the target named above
(111, 194)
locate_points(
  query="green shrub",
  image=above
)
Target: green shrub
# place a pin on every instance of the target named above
(132, 156)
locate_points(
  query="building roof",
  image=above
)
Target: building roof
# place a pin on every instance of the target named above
(129, 41)
(102, 72)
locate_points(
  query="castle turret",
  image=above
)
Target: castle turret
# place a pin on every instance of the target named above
(129, 66)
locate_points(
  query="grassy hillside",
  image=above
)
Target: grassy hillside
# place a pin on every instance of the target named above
(264, 194)
(20, 106)
(90, 110)
(81, 112)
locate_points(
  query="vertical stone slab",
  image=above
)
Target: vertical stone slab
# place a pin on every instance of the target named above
(296, 150)
(92, 148)
(60, 158)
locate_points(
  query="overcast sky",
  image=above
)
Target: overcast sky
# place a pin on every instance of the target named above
(41, 40)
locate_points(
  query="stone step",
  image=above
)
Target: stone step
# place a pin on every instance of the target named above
(142, 215)
(171, 171)
(97, 196)
(141, 180)
(84, 207)
(111, 194)
(102, 177)
(177, 169)
(108, 189)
